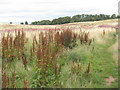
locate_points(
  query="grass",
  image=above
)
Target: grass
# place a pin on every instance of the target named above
(102, 65)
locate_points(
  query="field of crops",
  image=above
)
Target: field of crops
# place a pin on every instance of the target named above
(77, 55)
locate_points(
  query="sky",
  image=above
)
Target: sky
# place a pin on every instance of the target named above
(36, 10)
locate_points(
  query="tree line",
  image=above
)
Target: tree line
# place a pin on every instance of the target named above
(75, 18)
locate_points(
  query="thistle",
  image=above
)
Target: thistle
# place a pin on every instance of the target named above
(8, 81)
(11, 42)
(88, 69)
(55, 69)
(4, 80)
(24, 61)
(79, 67)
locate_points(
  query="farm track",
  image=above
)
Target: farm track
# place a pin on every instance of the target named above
(114, 49)
(112, 63)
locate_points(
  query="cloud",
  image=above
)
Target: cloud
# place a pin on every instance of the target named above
(31, 10)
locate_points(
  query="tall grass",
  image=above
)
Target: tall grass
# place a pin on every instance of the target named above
(42, 54)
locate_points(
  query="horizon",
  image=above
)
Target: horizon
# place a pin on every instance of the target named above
(37, 10)
(39, 20)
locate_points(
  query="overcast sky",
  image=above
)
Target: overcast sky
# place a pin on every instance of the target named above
(35, 10)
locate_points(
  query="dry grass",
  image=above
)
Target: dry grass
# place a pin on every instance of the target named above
(91, 27)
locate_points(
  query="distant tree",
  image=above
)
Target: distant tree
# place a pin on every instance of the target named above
(118, 16)
(10, 22)
(22, 23)
(55, 21)
(26, 23)
(76, 18)
(102, 16)
(107, 16)
(113, 16)
(61, 20)
(45, 22)
(34, 23)
(83, 15)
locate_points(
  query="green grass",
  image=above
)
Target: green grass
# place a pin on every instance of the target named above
(102, 65)
(100, 58)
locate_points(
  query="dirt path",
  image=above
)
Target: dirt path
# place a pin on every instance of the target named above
(114, 50)
(109, 80)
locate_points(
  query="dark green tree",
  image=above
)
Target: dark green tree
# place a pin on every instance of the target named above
(45, 22)
(21, 23)
(10, 22)
(113, 16)
(76, 18)
(61, 20)
(26, 23)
